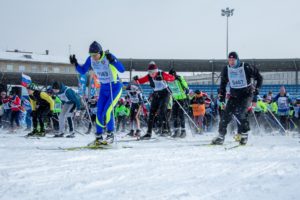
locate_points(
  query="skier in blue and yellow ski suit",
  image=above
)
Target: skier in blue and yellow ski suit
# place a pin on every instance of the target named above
(106, 66)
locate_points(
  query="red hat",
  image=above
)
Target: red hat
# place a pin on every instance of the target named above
(152, 66)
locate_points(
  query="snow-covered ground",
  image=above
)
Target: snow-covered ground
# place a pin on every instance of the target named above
(268, 168)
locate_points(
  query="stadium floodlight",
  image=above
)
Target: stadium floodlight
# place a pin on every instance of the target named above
(228, 13)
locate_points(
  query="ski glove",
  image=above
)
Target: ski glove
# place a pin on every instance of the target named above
(73, 60)
(135, 78)
(109, 57)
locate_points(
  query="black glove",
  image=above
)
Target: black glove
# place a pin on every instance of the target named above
(73, 60)
(135, 78)
(256, 91)
(109, 57)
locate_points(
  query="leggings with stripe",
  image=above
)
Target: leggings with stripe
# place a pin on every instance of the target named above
(106, 104)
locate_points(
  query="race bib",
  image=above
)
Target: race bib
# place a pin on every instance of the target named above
(102, 70)
(237, 77)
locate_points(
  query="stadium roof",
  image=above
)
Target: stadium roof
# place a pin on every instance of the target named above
(183, 65)
(264, 65)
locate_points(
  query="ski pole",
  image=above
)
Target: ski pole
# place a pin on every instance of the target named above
(113, 110)
(293, 123)
(236, 119)
(87, 109)
(183, 110)
(269, 123)
(277, 120)
(140, 88)
(255, 119)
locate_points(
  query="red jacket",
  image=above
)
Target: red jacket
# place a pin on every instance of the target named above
(15, 103)
(166, 77)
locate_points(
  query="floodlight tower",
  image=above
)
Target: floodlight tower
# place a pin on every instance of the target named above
(227, 13)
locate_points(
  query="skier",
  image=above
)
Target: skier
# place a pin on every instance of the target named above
(283, 100)
(92, 104)
(27, 106)
(57, 109)
(15, 106)
(198, 107)
(136, 100)
(70, 101)
(106, 66)
(238, 74)
(179, 90)
(121, 114)
(42, 106)
(160, 96)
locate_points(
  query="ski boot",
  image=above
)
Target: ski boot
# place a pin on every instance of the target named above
(97, 142)
(26, 129)
(244, 139)
(237, 137)
(32, 133)
(219, 140)
(71, 135)
(41, 133)
(110, 137)
(58, 135)
(176, 134)
(131, 133)
(147, 136)
(138, 133)
(183, 134)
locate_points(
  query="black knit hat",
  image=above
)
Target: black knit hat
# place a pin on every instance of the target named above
(172, 72)
(95, 47)
(233, 55)
(56, 85)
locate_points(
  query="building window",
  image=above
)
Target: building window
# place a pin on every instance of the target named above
(9, 68)
(45, 69)
(56, 69)
(22, 68)
(33, 68)
(67, 69)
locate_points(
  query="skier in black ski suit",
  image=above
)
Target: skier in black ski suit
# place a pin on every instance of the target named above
(161, 96)
(238, 75)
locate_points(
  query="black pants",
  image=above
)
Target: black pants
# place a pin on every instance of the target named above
(159, 104)
(39, 116)
(55, 121)
(93, 119)
(14, 117)
(237, 107)
(178, 114)
(121, 120)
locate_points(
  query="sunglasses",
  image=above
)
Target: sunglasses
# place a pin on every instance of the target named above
(94, 54)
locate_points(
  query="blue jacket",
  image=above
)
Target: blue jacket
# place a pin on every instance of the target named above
(71, 96)
(117, 65)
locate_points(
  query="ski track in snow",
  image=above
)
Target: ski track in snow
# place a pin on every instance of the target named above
(268, 168)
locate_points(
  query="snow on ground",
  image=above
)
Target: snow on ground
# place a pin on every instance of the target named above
(268, 168)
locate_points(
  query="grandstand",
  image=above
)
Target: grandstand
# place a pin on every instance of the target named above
(200, 74)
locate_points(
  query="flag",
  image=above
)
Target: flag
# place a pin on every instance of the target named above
(82, 84)
(26, 80)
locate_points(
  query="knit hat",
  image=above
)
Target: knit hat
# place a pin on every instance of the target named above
(95, 47)
(152, 66)
(233, 55)
(56, 86)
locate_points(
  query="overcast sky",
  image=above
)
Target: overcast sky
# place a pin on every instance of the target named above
(189, 29)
